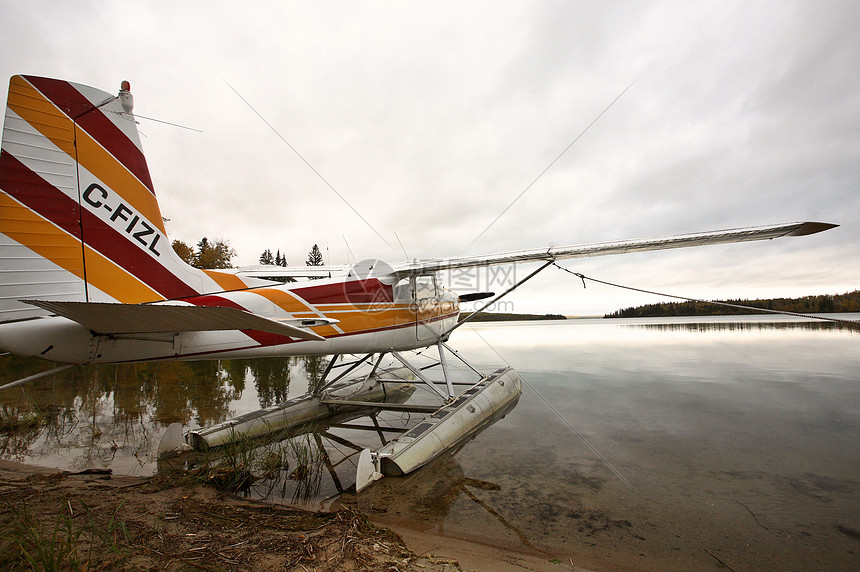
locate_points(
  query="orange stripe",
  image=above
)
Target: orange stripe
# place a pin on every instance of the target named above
(45, 239)
(286, 301)
(43, 115)
(326, 331)
(351, 318)
(39, 235)
(51, 122)
(116, 282)
(358, 320)
(294, 304)
(226, 281)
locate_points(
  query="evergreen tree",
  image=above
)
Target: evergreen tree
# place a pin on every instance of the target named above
(266, 257)
(315, 257)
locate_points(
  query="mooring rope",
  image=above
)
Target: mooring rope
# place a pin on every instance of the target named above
(583, 277)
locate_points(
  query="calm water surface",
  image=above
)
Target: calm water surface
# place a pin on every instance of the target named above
(646, 443)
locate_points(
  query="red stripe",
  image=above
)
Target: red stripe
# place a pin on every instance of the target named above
(352, 292)
(32, 190)
(262, 338)
(45, 199)
(100, 128)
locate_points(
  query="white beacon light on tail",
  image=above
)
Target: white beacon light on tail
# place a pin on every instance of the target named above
(125, 97)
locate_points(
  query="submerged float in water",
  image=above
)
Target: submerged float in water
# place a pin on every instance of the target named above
(444, 430)
(447, 429)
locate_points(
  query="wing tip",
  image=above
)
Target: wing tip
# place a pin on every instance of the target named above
(807, 228)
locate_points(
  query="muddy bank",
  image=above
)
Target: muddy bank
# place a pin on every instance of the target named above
(97, 521)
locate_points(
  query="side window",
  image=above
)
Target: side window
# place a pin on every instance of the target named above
(425, 287)
(403, 291)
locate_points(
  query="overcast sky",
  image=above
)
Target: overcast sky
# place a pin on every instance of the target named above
(430, 119)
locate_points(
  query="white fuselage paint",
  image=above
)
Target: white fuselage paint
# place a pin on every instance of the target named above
(62, 340)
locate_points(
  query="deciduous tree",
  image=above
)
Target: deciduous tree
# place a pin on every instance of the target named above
(185, 252)
(213, 255)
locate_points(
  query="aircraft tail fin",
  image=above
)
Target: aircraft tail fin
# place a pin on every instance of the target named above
(79, 219)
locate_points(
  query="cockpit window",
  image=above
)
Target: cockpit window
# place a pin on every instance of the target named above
(425, 287)
(403, 290)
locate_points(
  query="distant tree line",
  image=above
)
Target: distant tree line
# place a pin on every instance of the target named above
(315, 257)
(217, 254)
(508, 317)
(276, 260)
(849, 302)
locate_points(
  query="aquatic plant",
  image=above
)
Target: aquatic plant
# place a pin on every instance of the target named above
(14, 419)
(307, 456)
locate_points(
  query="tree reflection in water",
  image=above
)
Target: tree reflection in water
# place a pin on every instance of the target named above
(112, 415)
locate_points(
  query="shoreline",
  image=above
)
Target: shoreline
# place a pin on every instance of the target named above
(123, 522)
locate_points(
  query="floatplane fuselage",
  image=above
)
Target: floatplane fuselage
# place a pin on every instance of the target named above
(319, 317)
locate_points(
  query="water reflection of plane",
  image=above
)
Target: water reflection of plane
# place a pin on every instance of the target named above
(295, 443)
(422, 498)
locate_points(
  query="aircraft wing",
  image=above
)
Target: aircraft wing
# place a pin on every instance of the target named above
(617, 247)
(110, 318)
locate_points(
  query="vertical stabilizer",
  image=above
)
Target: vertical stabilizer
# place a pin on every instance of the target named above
(79, 220)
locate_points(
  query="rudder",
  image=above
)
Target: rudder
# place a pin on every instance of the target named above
(79, 220)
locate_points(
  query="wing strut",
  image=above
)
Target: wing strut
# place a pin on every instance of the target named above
(499, 297)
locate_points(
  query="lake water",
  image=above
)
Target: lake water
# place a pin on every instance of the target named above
(646, 443)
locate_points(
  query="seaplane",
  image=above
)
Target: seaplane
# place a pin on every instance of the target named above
(88, 276)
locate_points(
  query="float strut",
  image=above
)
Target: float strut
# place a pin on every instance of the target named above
(420, 375)
(344, 374)
(457, 355)
(445, 369)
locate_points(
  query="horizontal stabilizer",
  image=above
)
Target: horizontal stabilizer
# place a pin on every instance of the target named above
(108, 318)
(274, 272)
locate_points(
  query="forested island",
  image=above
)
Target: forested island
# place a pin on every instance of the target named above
(849, 302)
(505, 317)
